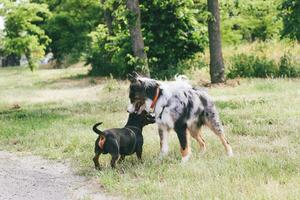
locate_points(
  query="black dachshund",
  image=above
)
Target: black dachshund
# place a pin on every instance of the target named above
(122, 141)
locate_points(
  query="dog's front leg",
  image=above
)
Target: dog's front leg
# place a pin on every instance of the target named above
(163, 135)
(183, 136)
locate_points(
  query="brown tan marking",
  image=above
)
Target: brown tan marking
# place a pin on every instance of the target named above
(101, 142)
(222, 137)
(225, 143)
(197, 136)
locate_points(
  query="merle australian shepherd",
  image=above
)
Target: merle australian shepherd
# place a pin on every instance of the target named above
(179, 106)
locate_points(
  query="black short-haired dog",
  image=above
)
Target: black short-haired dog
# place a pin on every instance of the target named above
(122, 141)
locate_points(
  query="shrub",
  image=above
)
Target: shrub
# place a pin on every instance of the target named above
(288, 67)
(109, 54)
(243, 65)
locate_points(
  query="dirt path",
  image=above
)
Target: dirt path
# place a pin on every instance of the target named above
(33, 178)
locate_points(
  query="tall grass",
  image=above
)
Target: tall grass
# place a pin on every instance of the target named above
(274, 58)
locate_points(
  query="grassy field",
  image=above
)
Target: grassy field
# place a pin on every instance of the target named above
(50, 113)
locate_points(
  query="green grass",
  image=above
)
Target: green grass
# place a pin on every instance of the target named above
(58, 108)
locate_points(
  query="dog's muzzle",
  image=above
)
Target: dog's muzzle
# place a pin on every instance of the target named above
(136, 108)
(130, 108)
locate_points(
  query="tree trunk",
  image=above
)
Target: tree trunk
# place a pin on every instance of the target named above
(108, 19)
(215, 47)
(136, 37)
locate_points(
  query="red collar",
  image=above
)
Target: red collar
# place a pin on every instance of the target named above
(155, 98)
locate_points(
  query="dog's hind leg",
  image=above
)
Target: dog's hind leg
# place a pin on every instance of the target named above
(183, 136)
(163, 135)
(139, 152)
(212, 120)
(114, 159)
(196, 134)
(122, 158)
(96, 161)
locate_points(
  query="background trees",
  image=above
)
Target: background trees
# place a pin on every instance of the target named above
(23, 35)
(173, 32)
(250, 20)
(69, 25)
(290, 12)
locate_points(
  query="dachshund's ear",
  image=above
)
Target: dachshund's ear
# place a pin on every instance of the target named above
(132, 77)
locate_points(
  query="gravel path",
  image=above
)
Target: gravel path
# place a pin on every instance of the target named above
(33, 178)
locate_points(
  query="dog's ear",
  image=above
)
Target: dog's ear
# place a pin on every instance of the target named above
(132, 77)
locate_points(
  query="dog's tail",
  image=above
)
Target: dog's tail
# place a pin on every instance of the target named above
(180, 77)
(96, 130)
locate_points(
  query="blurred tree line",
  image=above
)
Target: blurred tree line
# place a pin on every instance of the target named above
(118, 36)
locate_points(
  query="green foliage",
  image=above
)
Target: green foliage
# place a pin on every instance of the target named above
(244, 65)
(109, 54)
(250, 20)
(172, 32)
(23, 36)
(290, 12)
(288, 67)
(69, 26)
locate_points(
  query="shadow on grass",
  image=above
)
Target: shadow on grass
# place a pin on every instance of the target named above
(76, 80)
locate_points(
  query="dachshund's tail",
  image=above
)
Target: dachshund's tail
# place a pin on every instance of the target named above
(96, 130)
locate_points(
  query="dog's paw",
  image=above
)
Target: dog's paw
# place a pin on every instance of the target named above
(229, 152)
(185, 158)
(202, 152)
(162, 155)
(98, 168)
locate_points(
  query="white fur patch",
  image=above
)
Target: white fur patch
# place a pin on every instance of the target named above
(186, 158)
(229, 152)
(148, 103)
(164, 141)
(130, 108)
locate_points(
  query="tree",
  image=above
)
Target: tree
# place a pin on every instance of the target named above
(173, 31)
(136, 37)
(22, 34)
(69, 25)
(249, 20)
(215, 47)
(107, 16)
(290, 12)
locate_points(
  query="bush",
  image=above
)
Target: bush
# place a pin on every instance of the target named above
(288, 67)
(243, 65)
(109, 54)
